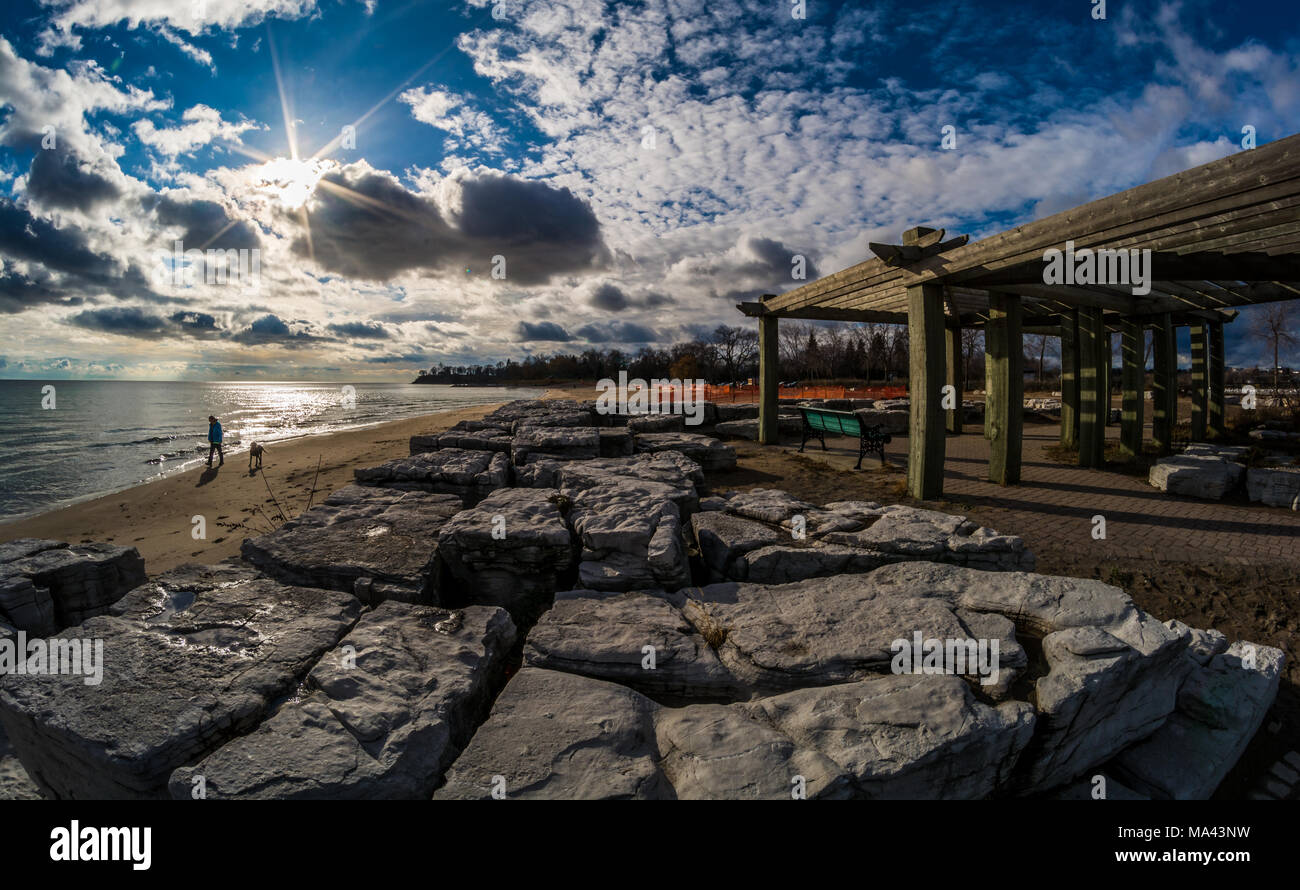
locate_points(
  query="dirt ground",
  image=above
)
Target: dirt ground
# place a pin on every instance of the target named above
(1259, 603)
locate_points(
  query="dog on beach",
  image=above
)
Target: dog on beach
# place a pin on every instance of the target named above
(255, 452)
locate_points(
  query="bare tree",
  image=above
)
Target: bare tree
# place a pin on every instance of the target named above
(736, 349)
(1276, 324)
(1040, 346)
(972, 348)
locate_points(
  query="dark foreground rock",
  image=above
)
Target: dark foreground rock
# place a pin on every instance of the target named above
(48, 585)
(471, 475)
(1220, 707)
(376, 543)
(514, 550)
(192, 659)
(383, 714)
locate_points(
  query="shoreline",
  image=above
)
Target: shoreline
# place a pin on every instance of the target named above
(239, 448)
(158, 517)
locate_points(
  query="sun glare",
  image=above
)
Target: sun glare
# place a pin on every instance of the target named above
(289, 180)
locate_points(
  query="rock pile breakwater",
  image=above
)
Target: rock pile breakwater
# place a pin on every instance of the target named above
(660, 640)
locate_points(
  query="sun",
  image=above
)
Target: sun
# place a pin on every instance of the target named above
(289, 180)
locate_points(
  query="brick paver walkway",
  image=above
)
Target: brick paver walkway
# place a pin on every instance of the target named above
(1053, 507)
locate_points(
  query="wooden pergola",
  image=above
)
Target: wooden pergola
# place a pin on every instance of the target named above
(1222, 235)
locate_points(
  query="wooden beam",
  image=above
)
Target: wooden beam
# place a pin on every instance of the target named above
(1092, 428)
(1200, 382)
(1133, 374)
(1004, 410)
(769, 431)
(1069, 333)
(1216, 428)
(925, 331)
(1164, 396)
(956, 416)
(758, 310)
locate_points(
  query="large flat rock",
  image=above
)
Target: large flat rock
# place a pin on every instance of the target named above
(1200, 471)
(475, 437)
(376, 543)
(542, 412)
(533, 443)
(514, 549)
(706, 451)
(49, 585)
(383, 714)
(554, 735)
(192, 659)
(775, 638)
(906, 737)
(472, 475)
(1274, 486)
(605, 636)
(561, 736)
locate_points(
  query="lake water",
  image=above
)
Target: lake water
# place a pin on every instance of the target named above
(104, 436)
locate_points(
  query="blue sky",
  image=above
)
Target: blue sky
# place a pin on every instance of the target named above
(638, 167)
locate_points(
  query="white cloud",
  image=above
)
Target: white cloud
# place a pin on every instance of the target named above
(202, 126)
(467, 127)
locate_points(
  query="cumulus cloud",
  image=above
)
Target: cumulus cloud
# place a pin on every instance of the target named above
(365, 224)
(544, 330)
(467, 128)
(202, 126)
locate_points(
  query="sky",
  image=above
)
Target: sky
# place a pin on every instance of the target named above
(466, 182)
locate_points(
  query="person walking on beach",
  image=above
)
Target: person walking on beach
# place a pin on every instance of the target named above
(214, 440)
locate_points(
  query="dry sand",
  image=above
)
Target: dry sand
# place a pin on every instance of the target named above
(156, 518)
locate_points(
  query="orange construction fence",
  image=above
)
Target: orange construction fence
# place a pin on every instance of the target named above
(749, 393)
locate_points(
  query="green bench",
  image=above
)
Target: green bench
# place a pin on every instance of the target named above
(817, 422)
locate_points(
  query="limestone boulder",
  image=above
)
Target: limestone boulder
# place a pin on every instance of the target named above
(376, 543)
(560, 736)
(722, 539)
(471, 475)
(514, 549)
(555, 442)
(639, 640)
(1200, 471)
(381, 716)
(631, 537)
(1274, 486)
(1112, 671)
(1220, 708)
(909, 737)
(49, 585)
(708, 452)
(193, 659)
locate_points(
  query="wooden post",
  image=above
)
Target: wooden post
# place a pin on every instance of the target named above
(925, 341)
(1092, 356)
(1214, 394)
(1164, 396)
(956, 416)
(1132, 373)
(1108, 369)
(769, 430)
(1199, 382)
(1070, 379)
(1004, 409)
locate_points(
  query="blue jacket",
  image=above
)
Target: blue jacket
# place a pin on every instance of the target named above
(214, 432)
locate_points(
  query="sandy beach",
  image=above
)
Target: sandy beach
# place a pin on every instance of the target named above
(157, 518)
